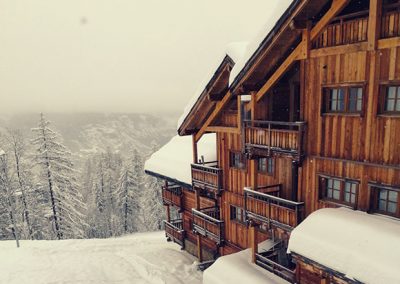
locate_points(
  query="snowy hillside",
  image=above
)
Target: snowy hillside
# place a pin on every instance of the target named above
(138, 258)
(90, 133)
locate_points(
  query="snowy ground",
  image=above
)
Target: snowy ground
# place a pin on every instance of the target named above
(138, 258)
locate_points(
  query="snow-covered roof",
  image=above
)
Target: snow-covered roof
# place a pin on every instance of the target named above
(362, 246)
(173, 160)
(273, 14)
(235, 51)
(237, 268)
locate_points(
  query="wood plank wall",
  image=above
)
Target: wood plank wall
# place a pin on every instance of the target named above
(369, 137)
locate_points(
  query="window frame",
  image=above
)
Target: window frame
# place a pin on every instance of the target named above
(233, 214)
(269, 168)
(326, 99)
(323, 181)
(383, 94)
(374, 199)
(242, 160)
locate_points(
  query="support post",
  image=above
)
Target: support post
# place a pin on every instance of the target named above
(374, 23)
(199, 249)
(194, 146)
(197, 196)
(168, 213)
(295, 179)
(253, 242)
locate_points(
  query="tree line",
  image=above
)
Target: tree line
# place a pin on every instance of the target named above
(43, 194)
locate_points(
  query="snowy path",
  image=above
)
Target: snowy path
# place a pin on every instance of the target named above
(139, 258)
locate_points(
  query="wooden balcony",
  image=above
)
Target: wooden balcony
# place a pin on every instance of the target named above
(346, 29)
(264, 207)
(174, 231)
(207, 177)
(206, 222)
(172, 195)
(273, 137)
(276, 261)
(390, 26)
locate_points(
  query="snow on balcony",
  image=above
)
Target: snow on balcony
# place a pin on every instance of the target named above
(237, 268)
(173, 160)
(362, 246)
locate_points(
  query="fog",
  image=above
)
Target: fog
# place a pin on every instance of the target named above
(114, 55)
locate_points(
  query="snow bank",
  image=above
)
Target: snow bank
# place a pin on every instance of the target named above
(237, 268)
(362, 246)
(2, 152)
(174, 158)
(273, 14)
(139, 258)
(235, 51)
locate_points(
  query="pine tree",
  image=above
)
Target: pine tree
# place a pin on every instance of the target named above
(58, 175)
(7, 189)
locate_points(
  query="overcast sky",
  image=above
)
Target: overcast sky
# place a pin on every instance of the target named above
(115, 55)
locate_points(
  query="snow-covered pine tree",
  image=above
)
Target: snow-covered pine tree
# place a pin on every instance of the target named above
(15, 143)
(7, 192)
(152, 200)
(128, 195)
(58, 175)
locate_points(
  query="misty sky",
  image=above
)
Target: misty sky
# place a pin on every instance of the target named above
(114, 55)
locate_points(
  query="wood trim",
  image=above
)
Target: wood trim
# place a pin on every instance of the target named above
(368, 164)
(388, 42)
(213, 115)
(224, 129)
(374, 23)
(340, 49)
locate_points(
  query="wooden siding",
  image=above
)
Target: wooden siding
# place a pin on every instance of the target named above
(343, 169)
(345, 136)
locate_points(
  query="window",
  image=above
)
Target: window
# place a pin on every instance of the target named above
(340, 99)
(237, 214)
(385, 200)
(338, 190)
(390, 99)
(237, 160)
(266, 165)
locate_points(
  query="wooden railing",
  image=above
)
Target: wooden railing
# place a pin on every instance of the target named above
(276, 268)
(207, 176)
(390, 26)
(206, 222)
(172, 195)
(174, 231)
(274, 136)
(272, 210)
(345, 29)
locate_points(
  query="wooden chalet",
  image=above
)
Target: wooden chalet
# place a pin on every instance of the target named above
(308, 119)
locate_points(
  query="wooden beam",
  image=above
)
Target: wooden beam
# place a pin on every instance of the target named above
(199, 249)
(374, 23)
(298, 52)
(194, 147)
(220, 105)
(340, 49)
(224, 129)
(336, 8)
(168, 213)
(253, 242)
(389, 42)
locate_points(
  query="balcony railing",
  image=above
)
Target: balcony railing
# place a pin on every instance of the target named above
(390, 26)
(206, 222)
(272, 210)
(276, 268)
(208, 177)
(266, 137)
(174, 231)
(172, 195)
(346, 29)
